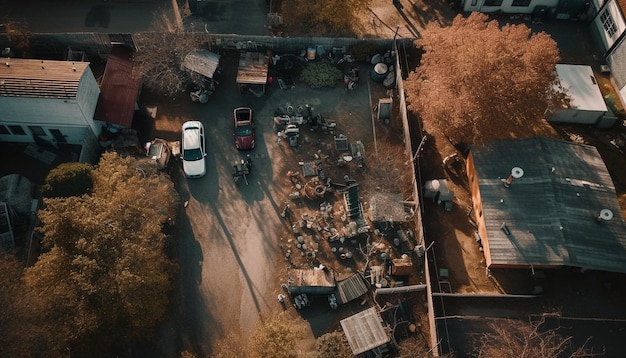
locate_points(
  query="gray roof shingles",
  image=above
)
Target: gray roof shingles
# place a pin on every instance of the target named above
(551, 212)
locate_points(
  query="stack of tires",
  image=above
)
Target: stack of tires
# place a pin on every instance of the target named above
(383, 70)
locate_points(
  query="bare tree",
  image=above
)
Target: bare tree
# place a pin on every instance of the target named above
(510, 339)
(160, 55)
(477, 81)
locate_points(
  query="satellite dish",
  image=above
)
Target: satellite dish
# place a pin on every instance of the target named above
(606, 214)
(435, 184)
(517, 172)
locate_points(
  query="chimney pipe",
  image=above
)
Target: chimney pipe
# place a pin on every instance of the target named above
(516, 173)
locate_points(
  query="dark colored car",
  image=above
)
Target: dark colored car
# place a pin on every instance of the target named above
(243, 128)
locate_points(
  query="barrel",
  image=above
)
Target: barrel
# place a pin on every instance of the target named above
(310, 53)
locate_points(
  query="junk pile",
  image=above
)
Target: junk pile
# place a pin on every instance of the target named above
(289, 119)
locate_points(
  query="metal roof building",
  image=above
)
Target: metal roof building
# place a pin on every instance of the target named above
(542, 202)
(119, 89)
(41, 78)
(202, 61)
(365, 331)
(317, 282)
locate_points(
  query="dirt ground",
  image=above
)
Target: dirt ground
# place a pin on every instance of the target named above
(454, 246)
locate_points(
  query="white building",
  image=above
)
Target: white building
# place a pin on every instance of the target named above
(51, 101)
(587, 104)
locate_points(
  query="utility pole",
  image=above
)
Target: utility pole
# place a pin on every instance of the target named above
(177, 17)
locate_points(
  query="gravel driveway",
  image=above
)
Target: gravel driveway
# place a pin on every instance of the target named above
(231, 266)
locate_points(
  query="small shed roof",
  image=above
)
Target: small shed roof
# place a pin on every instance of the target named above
(119, 89)
(202, 61)
(364, 331)
(581, 86)
(41, 78)
(351, 288)
(253, 68)
(551, 212)
(311, 281)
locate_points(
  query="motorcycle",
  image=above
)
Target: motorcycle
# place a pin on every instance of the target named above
(351, 79)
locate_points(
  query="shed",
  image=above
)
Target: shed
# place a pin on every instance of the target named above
(587, 104)
(314, 282)
(365, 331)
(119, 89)
(252, 72)
(541, 202)
(351, 288)
(202, 61)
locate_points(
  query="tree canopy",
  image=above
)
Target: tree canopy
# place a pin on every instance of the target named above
(68, 179)
(478, 81)
(104, 277)
(322, 17)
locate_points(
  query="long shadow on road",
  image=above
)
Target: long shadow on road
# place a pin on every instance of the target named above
(233, 247)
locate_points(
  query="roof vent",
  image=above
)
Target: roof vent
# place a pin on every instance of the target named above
(516, 173)
(505, 228)
(605, 214)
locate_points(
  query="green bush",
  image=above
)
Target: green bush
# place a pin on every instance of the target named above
(320, 74)
(68, 179)
(362, 50)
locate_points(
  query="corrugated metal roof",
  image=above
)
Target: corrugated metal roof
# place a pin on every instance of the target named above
(351, 288)
(552, 211)
(364, 331)
(202, 61)
(311, 281)
(119, 89)
(40, 78)
(253, 68)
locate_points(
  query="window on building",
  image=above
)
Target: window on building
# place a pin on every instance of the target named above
(4, 129)
(37, 131)
(18, 130)
(492, 3)
(520, 3)
(608, 23)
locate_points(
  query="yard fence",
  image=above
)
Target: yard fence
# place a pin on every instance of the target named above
(94, 45)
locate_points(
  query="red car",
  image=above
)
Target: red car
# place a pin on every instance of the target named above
(243, 128)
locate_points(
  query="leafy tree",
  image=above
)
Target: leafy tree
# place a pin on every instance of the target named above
(19, 36)
(322, 17)
(276, 338)
(224, 348)
(161, 53)
(10, 272)
(477, 81)
(333, 345)
(68, 179)
(509, 339)
(104, 278)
